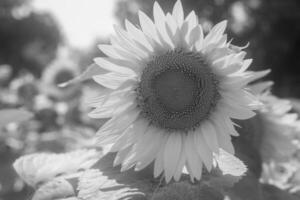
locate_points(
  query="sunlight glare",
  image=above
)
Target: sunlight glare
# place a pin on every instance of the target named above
(82, 21)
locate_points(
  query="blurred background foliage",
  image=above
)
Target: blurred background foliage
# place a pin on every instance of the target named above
(34, 58)
(28, 40)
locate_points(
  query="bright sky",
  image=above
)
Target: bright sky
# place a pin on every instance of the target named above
(81, 20)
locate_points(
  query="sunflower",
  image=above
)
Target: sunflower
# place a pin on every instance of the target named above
(172, 94)
(279, 174)
(60, 71)
(279, 138)
(280, 126)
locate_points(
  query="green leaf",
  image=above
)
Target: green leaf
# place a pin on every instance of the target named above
(93, 184)
(229, 164)
(129, 184)
(43, 167)
(55, 189)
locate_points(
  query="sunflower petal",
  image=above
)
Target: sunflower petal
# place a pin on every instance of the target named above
(178, 13)
(171, 155)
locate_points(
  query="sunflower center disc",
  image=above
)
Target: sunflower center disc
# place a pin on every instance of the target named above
(177, 91)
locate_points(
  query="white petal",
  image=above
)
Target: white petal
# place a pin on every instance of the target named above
(112, 106)
(129, 160)
(143, 152)
(129, 44)
(119, 53)
(242, 97)
(232, 68)
(151, 151)
(109, 50)
(171, 25)
(160, 23)
(158, 14)
(236, 82)
(209, 134)
(241, 80)
(112, 80)
(225, 143)
(147, 26)
(159, 161)
(121, 156)
(246, 65)
(108, 95)
(138, 35)
(123, 50)
(223, 135)
(115, 126)
(257, 75)
(192, 20)
(181, 163)
(222, 42)
(229, 64)
(124, 140)
(178, 13)
(108, 64)
(230, 126)
(132, 134)
(195, 35)
(199, 42)
(219, 53)
(237, 111)
(203, 150)
(194, 164)
(174, 32)
(239, 57)
(216, 33)
(171, 155)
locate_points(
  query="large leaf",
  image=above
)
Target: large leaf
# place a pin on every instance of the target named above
(124, 185)
(229, 164)
(39, 168)
(94, 185)
(105, 182)
(55, 189)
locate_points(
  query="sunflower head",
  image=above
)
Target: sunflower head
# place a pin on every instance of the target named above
(280, 125)
(172, 94)
(177, 91)
(60, 71)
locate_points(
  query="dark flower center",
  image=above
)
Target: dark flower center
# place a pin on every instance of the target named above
(63, 75)
(177, 91)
